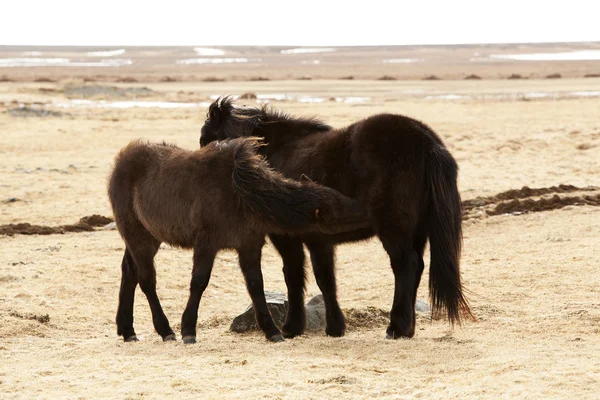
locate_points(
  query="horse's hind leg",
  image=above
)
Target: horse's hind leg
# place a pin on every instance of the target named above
(292, 254)
(322, 256)
(204, 259)
(419, 242)
(407, 265)
(126, 296)
(249, 256)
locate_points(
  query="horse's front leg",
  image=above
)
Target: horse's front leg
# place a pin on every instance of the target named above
(292, 254)
(249, 256)
(204, 258)
(322, 256)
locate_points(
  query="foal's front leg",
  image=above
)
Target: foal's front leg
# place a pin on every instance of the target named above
(204, 259)
(250, 264)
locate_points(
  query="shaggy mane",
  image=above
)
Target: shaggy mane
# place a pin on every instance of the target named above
(266, 115)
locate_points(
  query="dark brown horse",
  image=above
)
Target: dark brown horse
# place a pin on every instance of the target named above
(403, 176)
(222, 196)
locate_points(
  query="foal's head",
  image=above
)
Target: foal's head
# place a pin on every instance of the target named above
(225, 121)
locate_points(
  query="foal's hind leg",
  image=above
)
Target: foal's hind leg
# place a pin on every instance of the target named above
(292, 254)
(322, 256)
(126, 295)
(204, 259)
(249, 256)
(143, 248)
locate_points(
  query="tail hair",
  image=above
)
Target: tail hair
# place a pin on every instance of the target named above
(282, 203)
(445, 227)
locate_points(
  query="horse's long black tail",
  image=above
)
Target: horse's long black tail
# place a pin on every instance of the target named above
(445, 236)
(287, 205)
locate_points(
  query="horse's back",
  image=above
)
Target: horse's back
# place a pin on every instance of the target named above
(392, 138)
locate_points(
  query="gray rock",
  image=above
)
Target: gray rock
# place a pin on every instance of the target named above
(278, 305)
(422, 306)
(111, 226)
(315, 314)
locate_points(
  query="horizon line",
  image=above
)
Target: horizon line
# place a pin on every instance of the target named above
(305, 45)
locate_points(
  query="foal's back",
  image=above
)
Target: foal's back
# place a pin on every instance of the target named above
(175, 194)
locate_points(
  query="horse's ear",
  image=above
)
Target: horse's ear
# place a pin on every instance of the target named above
(323, 127)
(214, 114)
(220, 109)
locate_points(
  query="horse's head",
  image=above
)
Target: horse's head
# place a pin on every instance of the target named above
(225, 121)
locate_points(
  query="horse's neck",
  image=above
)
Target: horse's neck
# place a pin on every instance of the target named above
(297, 155)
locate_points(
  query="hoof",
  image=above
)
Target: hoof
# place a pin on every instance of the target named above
(290, 335)
(276, 338)
(292, 330)
(170, 338)
(392, 335)
(335, 332)
(131, 338)
(189, 339)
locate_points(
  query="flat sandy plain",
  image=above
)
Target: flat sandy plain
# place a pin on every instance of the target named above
(532, 275)
(147, 64)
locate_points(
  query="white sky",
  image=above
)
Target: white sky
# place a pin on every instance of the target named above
(295, 23)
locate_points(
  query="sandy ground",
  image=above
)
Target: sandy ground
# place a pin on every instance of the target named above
(533, 278)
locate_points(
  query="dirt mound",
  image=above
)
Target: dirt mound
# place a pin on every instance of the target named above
(515, 76)
(336, 380)
(95, 91)
(44, 80)
(41, 318)
(127, 79)
(26, 229)
(523, 193)
(585, 146)
(95, 220)
(554, 76)
(213, 79)
(47, 90)
(366, 317)
(248, 96)
(472, 77)
(520, 201)
(167, 79)
(431, 78)
(21, 324)
(386, 78)
(85, 224)
(530, 205)
(26, 111)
